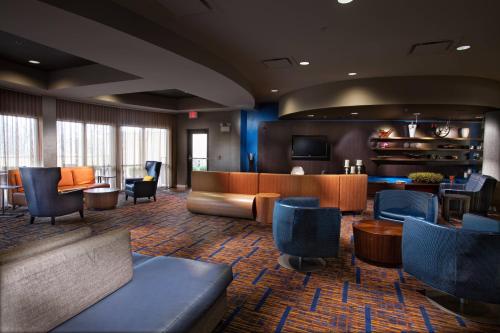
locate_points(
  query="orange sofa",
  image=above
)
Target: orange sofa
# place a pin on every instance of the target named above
(347, 192)
(71, 179)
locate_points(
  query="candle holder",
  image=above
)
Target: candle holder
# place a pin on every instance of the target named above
(346, 168)
(358, 169)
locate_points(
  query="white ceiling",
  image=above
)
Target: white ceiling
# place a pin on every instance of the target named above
(372, 38)
(216, 52)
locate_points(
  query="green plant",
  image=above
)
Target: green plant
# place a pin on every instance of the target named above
(426, 177)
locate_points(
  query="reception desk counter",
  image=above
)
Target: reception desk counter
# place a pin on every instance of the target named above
(347, 192)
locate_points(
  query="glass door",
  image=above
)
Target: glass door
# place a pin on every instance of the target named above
(197, 152)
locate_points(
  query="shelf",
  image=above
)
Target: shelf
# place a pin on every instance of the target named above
(427, 149)
(425, 161)
(423, 139)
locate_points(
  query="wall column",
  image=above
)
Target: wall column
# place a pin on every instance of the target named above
(49, 132)
(491, 154)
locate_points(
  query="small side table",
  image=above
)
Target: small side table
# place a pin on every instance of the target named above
(4, 188)
(104, 178)
(265, 206)
(463, 204)
(378, 241)
(101, 198)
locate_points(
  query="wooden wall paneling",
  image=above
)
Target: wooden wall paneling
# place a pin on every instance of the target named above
(244, 182)
(210, 181)
(353, 192)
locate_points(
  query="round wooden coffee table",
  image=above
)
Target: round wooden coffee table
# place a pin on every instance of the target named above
(264, 203)
(101, 198)
(378, 241)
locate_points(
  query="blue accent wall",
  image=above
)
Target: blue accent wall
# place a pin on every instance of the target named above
(250, 120)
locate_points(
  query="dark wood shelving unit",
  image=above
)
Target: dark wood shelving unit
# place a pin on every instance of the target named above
(424, 139)
(425, 161)
(393, 152)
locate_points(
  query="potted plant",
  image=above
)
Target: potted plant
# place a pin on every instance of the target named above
(424, 182)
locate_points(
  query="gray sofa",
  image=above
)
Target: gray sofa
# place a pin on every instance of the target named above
(81, 283)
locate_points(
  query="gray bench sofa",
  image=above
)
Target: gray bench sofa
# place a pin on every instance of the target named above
(82, 283)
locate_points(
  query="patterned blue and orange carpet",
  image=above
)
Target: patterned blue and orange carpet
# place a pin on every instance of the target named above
(350, 295)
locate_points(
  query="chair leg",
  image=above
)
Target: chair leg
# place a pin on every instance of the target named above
(135, 200)
(154, 197)
(13, 207)
(149, 198)
(32, 219)
(126, 197)
(81, 213)
(53, 220)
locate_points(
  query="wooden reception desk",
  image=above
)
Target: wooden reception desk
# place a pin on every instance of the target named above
(347, 192)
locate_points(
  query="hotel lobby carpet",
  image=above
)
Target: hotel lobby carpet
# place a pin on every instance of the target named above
(350, 295)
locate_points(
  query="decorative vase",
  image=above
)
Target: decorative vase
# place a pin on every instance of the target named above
(464, 132)
(412, 129)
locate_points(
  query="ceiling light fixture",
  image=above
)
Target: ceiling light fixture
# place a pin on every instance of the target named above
(274, 90)
(36, 62)
(310, 115)
(304, 63)
(479, 117)
(463, 47)
(343, 2)
(354, 113)
(352, 73)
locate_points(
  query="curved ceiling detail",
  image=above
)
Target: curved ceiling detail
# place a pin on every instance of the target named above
(415, 90)
(132, 63)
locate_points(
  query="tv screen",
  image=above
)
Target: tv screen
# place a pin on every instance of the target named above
(310, 147)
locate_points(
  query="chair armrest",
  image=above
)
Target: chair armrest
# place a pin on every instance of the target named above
(132, 180)
(449, 186)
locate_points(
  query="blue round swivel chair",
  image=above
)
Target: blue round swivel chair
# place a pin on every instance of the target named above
(305, 233)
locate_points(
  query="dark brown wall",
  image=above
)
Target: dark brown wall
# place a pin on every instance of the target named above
(348, 140)
(223, 148)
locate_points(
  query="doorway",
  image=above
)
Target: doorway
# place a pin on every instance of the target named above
(197, 154)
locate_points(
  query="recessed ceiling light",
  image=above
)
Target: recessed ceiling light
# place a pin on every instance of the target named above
(463, 47)
(352, 73)
(343, 2)
(310, 115)
(36, 62)
(304, 63)
(274, 90)
(479, 117)
(354, 113)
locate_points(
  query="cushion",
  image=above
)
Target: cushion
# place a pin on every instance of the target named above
(42, 291)
(83, 175)
(66, 177)
(29, 249)
(401, 213)
(148, 178)
(14, 178)
(167, 294)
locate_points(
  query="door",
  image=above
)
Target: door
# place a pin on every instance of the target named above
(197, 155)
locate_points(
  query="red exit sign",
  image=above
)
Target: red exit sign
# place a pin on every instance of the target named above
(193, 114)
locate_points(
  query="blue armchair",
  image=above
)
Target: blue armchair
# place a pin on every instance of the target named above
(480, 188)
(139, 188)
(305, 233)
(463, 263)
(42, 196)
(396, 205)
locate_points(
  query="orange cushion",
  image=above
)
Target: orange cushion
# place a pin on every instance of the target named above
(83, 175)
(14, 178)
(66, 177)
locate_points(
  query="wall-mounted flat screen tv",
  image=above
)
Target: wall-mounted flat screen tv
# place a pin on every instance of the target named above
(310, 147)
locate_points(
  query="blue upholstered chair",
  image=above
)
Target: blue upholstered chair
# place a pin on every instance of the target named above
(139, 188)
(396, 205)
(305, 233)
(42, 196)
(464, 263)
(480, 188)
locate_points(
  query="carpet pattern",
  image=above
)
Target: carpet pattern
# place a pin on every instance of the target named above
(350, 295)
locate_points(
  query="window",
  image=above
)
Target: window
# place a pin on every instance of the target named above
(144, 144)
(70, 150)
(100, 148)
(156, 150)
(18, 142)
